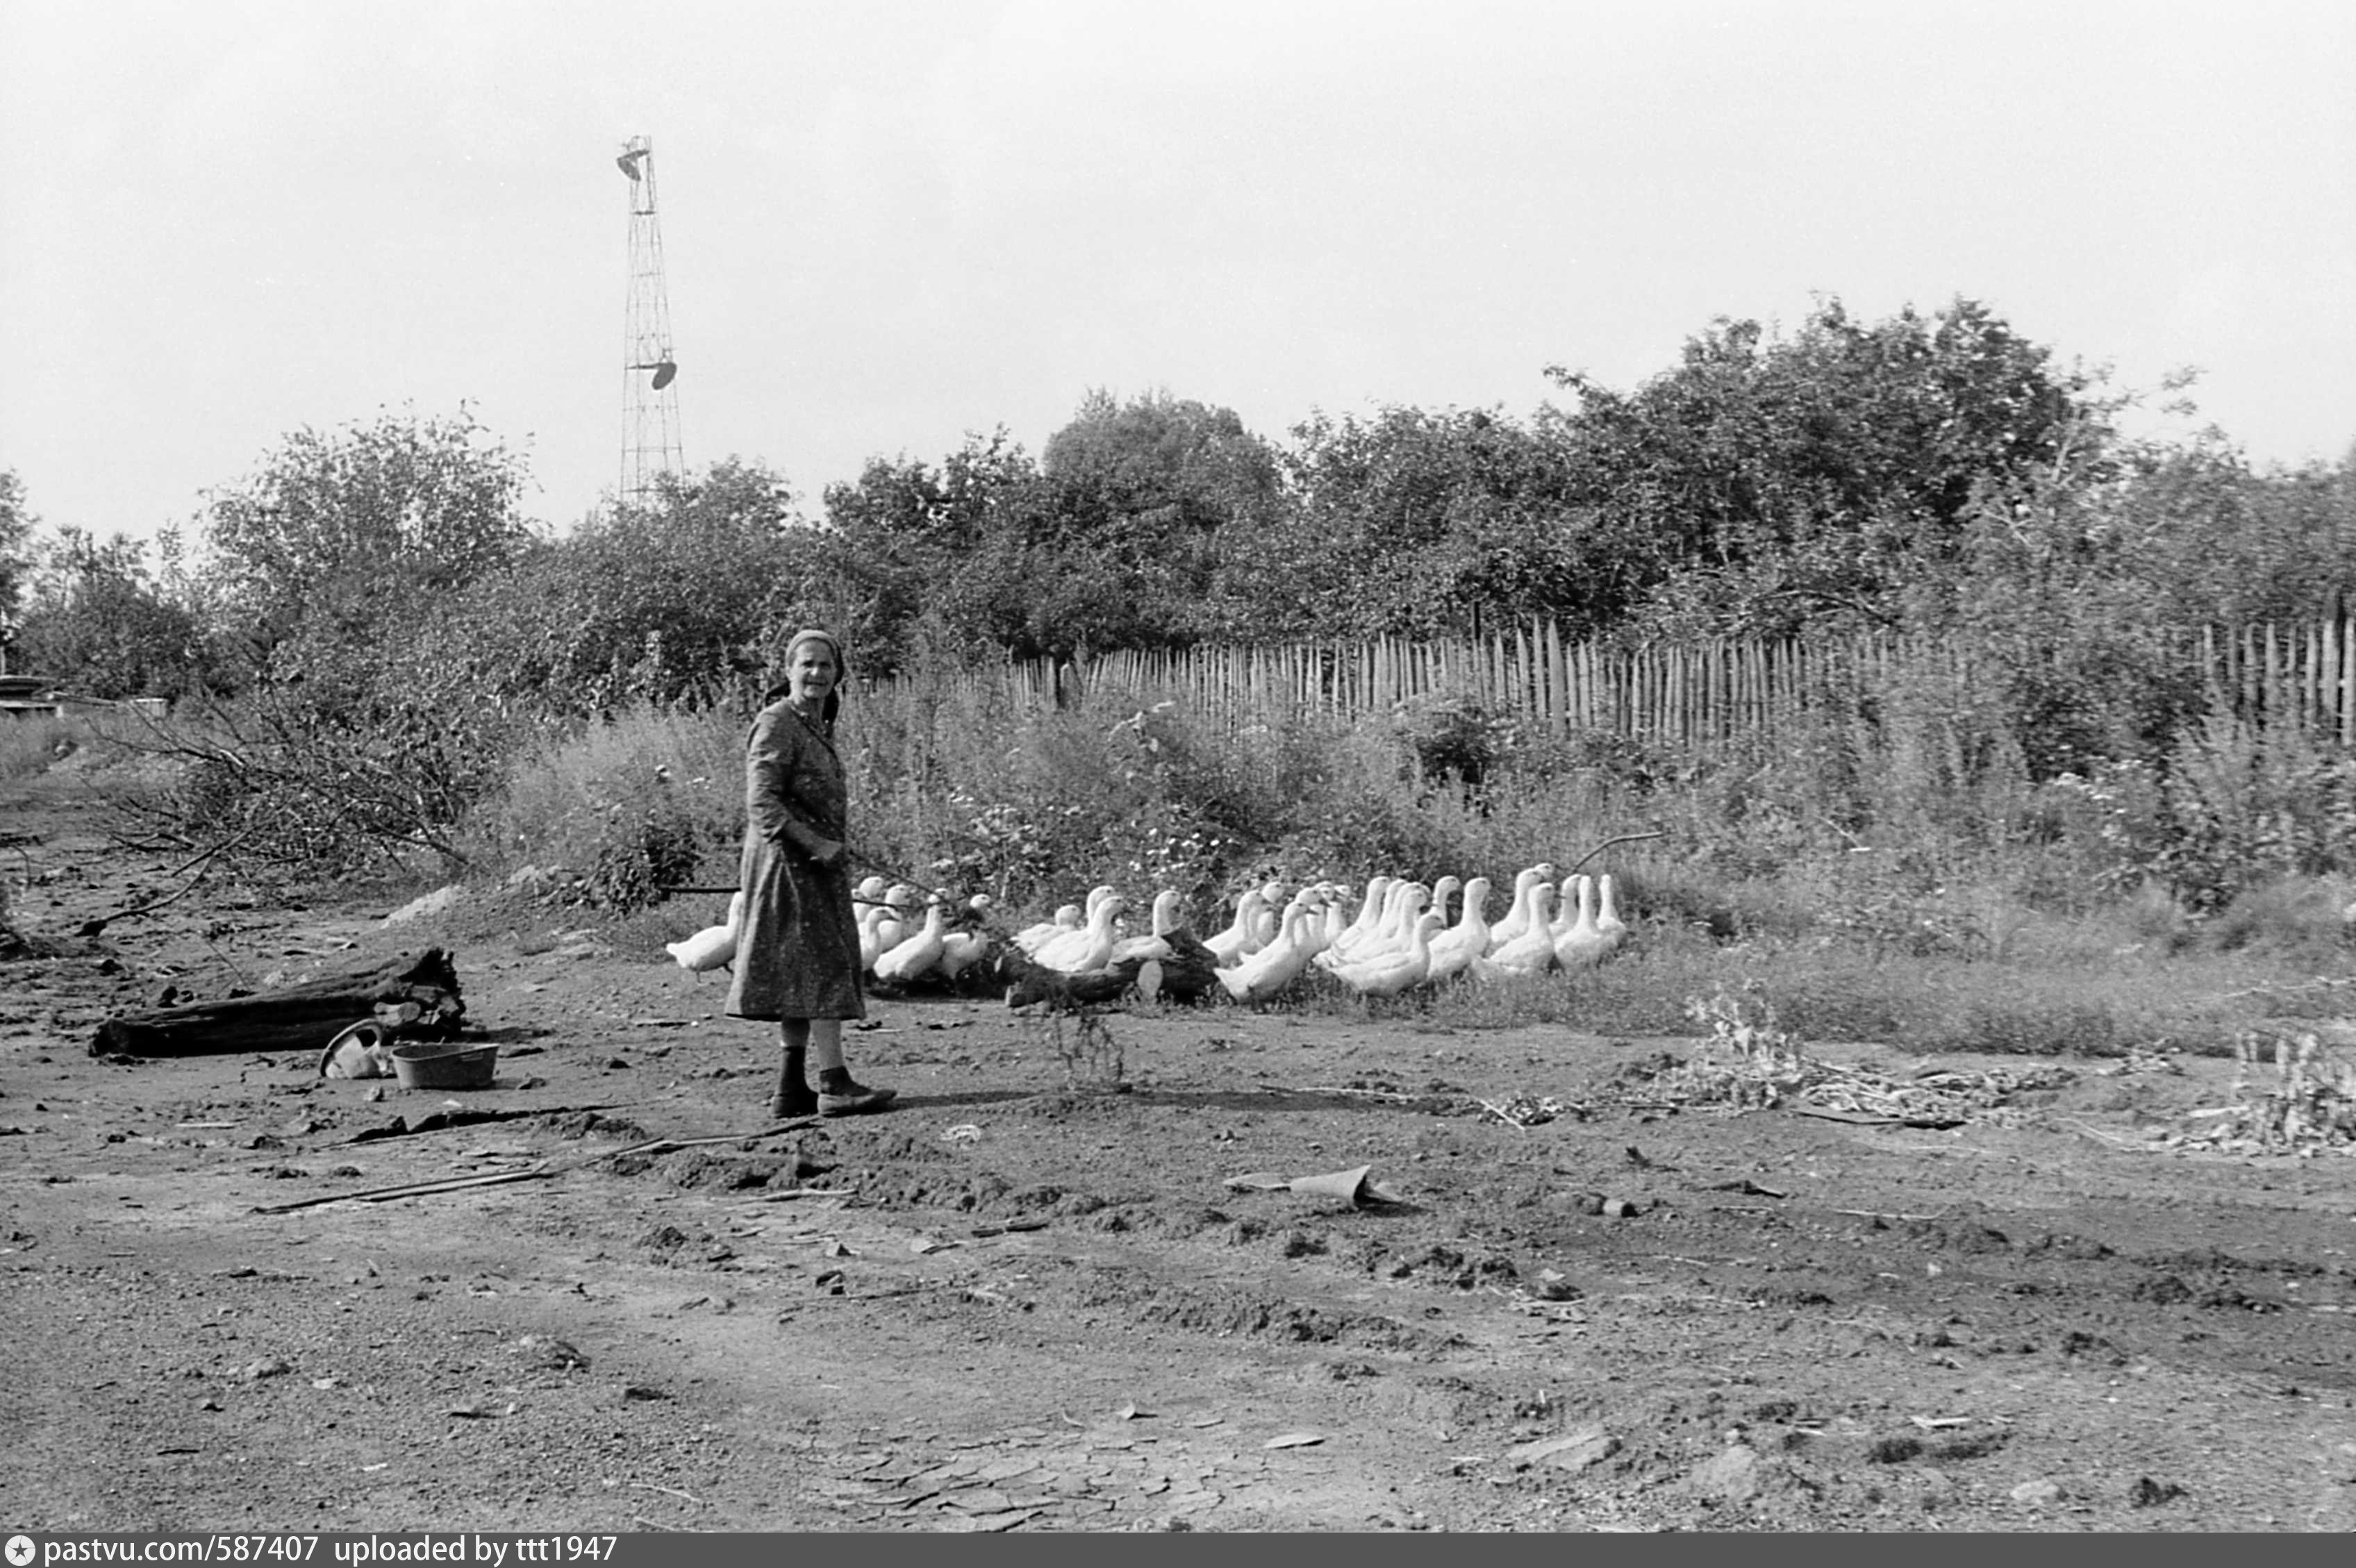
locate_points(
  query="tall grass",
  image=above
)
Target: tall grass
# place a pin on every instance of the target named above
(1890, 873)
(612, 812)
(28, 746)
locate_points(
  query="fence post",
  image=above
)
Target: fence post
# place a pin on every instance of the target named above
(2347, 683)
(2311, 682)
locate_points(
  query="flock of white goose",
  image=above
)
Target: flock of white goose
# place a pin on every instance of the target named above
(1400, 935)
(1403, 935)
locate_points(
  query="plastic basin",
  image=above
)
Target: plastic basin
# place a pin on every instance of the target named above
(445, 1066)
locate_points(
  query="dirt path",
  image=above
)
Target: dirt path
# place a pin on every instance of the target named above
(1004, 1306)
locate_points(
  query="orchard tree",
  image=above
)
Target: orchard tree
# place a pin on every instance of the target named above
(1140, 501)
(1764, 483)
(948, 546)
(343, 535)
(2073, 654)
(987, 487)
(670, 603)
(17, 522)
(1158, 466)
(1112, 542)
(2218, 542)
(96, 619)
(1416, 524)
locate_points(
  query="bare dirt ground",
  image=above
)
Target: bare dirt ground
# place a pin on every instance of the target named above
(1006, 1305)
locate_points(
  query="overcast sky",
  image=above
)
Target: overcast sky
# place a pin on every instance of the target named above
(889, 224)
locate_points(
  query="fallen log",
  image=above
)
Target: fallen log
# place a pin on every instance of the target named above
(416, 993)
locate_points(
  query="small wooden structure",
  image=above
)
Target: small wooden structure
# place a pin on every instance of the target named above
(27, 696)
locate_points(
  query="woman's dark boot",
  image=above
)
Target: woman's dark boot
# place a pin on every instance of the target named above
(838, 1096)
(793, 1096)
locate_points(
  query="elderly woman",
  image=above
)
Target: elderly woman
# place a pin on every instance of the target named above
(797, 951)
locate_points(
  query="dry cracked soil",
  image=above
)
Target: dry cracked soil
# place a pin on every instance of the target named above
(1012, 1304)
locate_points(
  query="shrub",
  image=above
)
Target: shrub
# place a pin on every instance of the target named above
(1455, 739)
(360, 746)
(28, 746)
(2300, 920)
(612, 812)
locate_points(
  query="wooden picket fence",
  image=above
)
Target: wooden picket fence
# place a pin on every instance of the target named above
(1691, 697)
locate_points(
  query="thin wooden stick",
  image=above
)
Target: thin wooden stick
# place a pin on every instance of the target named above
(412, 1189)
(1355, 1094)
(652, 1146)
(201, 864)
(1874, 1214)
(473, 1119)
(2109, 1140)
(664, 1146)
(670, 1491)
(1624, 838)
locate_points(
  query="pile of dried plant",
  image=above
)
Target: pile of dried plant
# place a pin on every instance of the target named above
(1751, 1062)
(2143, 1059)
(1528, 1110)
(2302, 1101)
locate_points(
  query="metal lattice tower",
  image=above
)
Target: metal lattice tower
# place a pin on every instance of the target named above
(650, 406)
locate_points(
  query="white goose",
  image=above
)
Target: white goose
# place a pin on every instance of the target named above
(1454, 950)
(1087, 949)
(1532, 953)
(1257, 977)
(1371, 910)
(870, 920)
(1334, 922)
(1443, 889)
(1031, 938)
(1311, 918)
(1577, 943)
(1390, 932)
(920, 951)
(1313, 897)
(1566, 905)
(1271, 922)
(1389, 974)
(712, 946)
(1238, 939)
(1607, 916)
(961, 950)
(899, 921)
(1155, 943)
(1518, 914)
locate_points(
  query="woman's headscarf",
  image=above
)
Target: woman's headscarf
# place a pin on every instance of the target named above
(841, 669)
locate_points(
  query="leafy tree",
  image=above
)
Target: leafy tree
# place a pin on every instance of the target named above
(2076, 660)
(351, 734)
(1161, 464)
(2217, 542)
(986, 487)
(1112, 541)
(951, 545)
(96, 619)
(340, 536)
(1763, 482)
(1414, 524)
(1141, 499)
(17, 522)
(671, 603)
